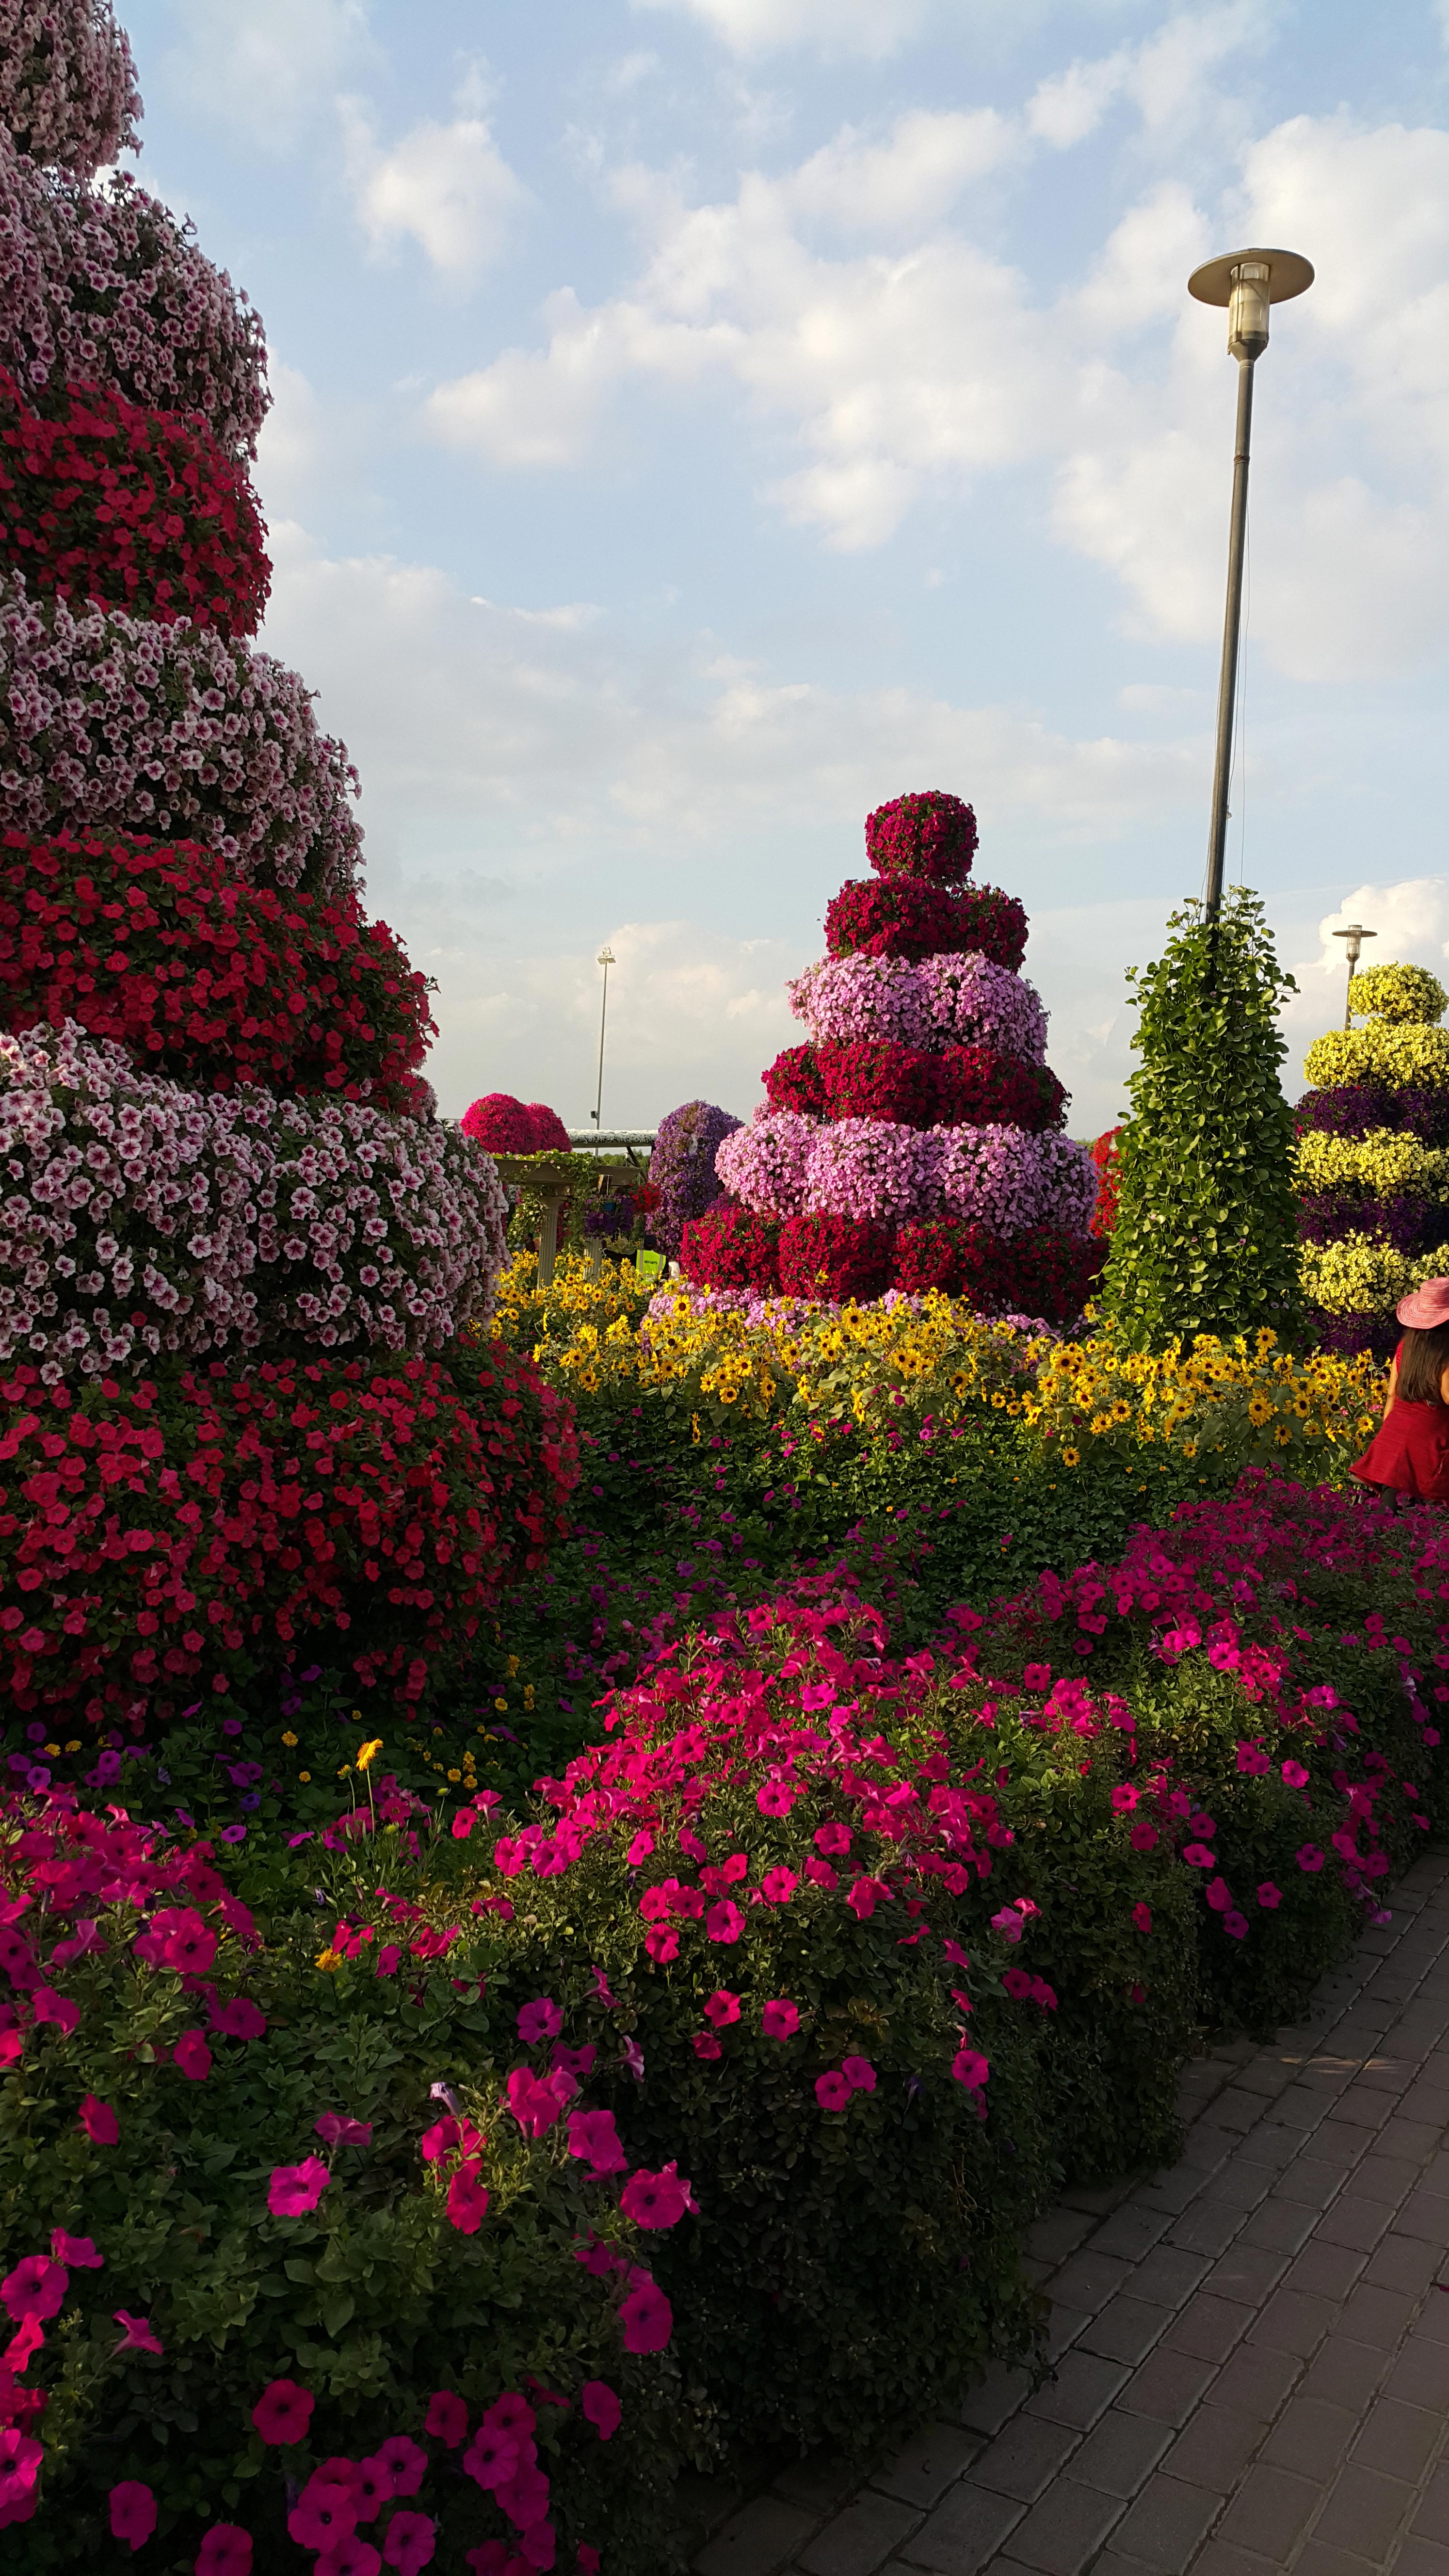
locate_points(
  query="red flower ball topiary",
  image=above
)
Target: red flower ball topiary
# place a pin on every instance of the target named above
(834, 1258)
(207, 980)
(500, 1124)
(99, 500)
(730, 1247)
(931, 835)
(550, 1135)
(911, 917)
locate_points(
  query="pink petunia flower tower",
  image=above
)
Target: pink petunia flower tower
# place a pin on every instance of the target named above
(914, 1141)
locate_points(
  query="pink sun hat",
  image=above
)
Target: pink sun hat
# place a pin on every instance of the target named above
(1427, 1306)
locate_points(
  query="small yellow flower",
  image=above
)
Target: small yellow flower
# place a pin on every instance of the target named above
(74, 1745)
(304, 1775)
(344, 1770)
(329, 1959)
(289, 1739)
(367, 1753)
(455, 1776)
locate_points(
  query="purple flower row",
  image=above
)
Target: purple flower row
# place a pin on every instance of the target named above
(947, 1000)
(1003, 1178)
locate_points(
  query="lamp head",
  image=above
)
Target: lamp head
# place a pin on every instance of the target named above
(1353, 938)
(1248, 282)
(606, 957)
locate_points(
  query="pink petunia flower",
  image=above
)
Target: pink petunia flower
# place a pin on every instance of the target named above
(538, 2546)
(539, 2020)
(593, 2136)
(1143, 1836)
(724, 1922)
(405, 2461)
(1124, 1798)
(1199, 1856)
(705, 2044)
(133, 2512)
(47, 2005)
(1235, 1925)
(491, 2457)
(970, 2068)
(283, 2412)
(296, 2189)
(536, 2104)
(833, 1840)
(410, 2543)
(589, 2560)
(820, 1873)
(240, 2019)
(656, 2199)
(99, 2122)
(446, 2418)
(226, 2550)
(1017, 1982)
(1270, 1896)
(647, 2319)
(192, 2057)
(388, 1959)
(512, 2414)
(832, 2091)
(1142, 1917)
(858, 2073)
(78, 2251)
(661, 1942)
(778, 1886)
(324, 2512)
(35, 2288)
(371, 2485)
(1309, 1856)
(1295, 1775)
(335, 2130)
(601, 2407)
(349, 2556)
(780, 2019)
(137, 2333)
(722, 2007)
(467, 2200)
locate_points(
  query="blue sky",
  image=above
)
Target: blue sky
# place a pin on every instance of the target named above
(698, 420)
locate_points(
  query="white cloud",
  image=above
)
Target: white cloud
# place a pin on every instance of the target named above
(1410, 919)
(267, 68)
(874, 28)
(447, 187)
(1164, 78)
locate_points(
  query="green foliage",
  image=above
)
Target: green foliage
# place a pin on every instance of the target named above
(1206, 1236)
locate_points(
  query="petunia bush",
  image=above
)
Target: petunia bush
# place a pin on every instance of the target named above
(141, 1217)
(931, 836)
(170, 732)
(184, 1533)
(682, 1169)
(202, 978)
(732, 1247)
(503, 1125)
(915, 1086)
(912, 917)
(954, 997)
(68, 90)
(100, 500)
(105, 286)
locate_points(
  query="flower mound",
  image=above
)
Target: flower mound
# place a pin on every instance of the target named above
(732, 1247)
(681, 1169)
(503, 1125)
(101, 501)
(211, 982)
(173, 733)
(68, 90)
(915, 1086)
(912, 917)
(931, 836)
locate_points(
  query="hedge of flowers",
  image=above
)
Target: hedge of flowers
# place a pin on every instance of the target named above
(1373, 1170)
(105, 287)
(503, 1125)
(68, 90)
(141, 1217)
(99, 500)
(908, 1145)
(205, 979)
(169, 732)
(181, 1533)
(681, 1169)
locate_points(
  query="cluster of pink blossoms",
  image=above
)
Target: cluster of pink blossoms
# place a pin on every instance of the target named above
(68, 90)
(951, 999)
(1004, 1178)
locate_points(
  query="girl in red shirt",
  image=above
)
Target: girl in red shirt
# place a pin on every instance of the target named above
(1409, 1452)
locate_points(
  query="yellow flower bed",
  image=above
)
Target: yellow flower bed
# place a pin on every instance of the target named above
(1380, 1163)
(939, 1360)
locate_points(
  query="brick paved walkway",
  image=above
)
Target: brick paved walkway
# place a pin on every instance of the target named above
(1251, 2349)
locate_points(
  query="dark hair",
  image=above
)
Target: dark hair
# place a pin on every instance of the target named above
(1423, 1358)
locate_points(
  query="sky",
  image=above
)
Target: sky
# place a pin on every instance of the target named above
(698, 421)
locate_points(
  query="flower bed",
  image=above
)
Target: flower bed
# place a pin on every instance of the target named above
(105, 286)
(172, 733)
(187, 1531)
(67, 83)
(101, 501)
(911, 917)
(208, 981)
(141, 1217)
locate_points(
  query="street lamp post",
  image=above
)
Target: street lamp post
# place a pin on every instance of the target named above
(1353, 938)
(1247, 282)
(606, 959)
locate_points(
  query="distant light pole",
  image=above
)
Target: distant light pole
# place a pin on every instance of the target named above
(1353, 937)
(1248, 282)
(606, 959)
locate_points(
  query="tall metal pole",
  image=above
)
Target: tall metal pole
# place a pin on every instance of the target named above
(1232, 621)
(606, 959)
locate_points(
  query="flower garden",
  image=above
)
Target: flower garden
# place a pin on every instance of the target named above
(579, 1857)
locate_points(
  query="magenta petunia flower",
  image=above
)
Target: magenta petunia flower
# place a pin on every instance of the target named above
(1199, 1856)
(446, 2418)
(137, 2333)
(349, 2556)
(511, 2414)
(661, 1941)
(778, 1886)
(467, 2200)
(35, 2288)
(325, 2512)
(388, 1959)
(410, 2543)
(133, 2512)
(405, 2461)
(724, 1922)
(780, 2019)
(1309, 1856)
(296, 2189)
(192, 2057)
(283, 2412)
(226, 2550)
(47, 2005)
(1017, 1982)
(77, 2251)
(371, 2486)
(722, 2007)
(1142, 1917)
(240, 2019)
(705, 2044)
(539, 2020)
(336, 2130)
(647, 2319)
(1295, 1775)
(656, 2199)
(601, 2407)
(858, 2073)
(491, 2457)
(1124, 1798)
(832, 1839)
(190, 1945)
(1269, 1895)
(99, 2122)
(832, 2091)
(1143, 1836)
(1235, 1925)
(593, 2136)
(1218, 1895)
(970, 2068)
(1036, 1677)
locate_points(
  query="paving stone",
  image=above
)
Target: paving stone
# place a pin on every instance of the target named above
(1089, 2279)
(1366, 2511)
(1255, 2380)
(1208, 2328)
(1346, 2373)
(1270, 2510)
(1294, 2321)
(1084, 2385)
(1378, 2317)
(985, 2408)
(1169, 2275)
(1121, 2453)
(1425, 2214)
(1420, 2557)
(859, 2540)
(1214, 2448)
(1220, 2558)
(757, 2540)
(819, 2483)
(1246, 2273)
(931, 2462)
(1355, 2222)
(1207, 2227)
(1311, 2178)
(1389, 2178)
(1062, 2534)
(1280, 2225)
(1168, 2386)
(1056, 2235)
(1162, 2529)
(964, 2533)
(1131, 2231)
(1320, 2558)
(1326, 2270)
(1312, 2438)
(1127, 2329)
(1025, 2457)
(1431, 2521)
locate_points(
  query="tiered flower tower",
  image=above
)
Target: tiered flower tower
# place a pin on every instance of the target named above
(1373, 1158)
(915, 1141)
(217, 1153)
